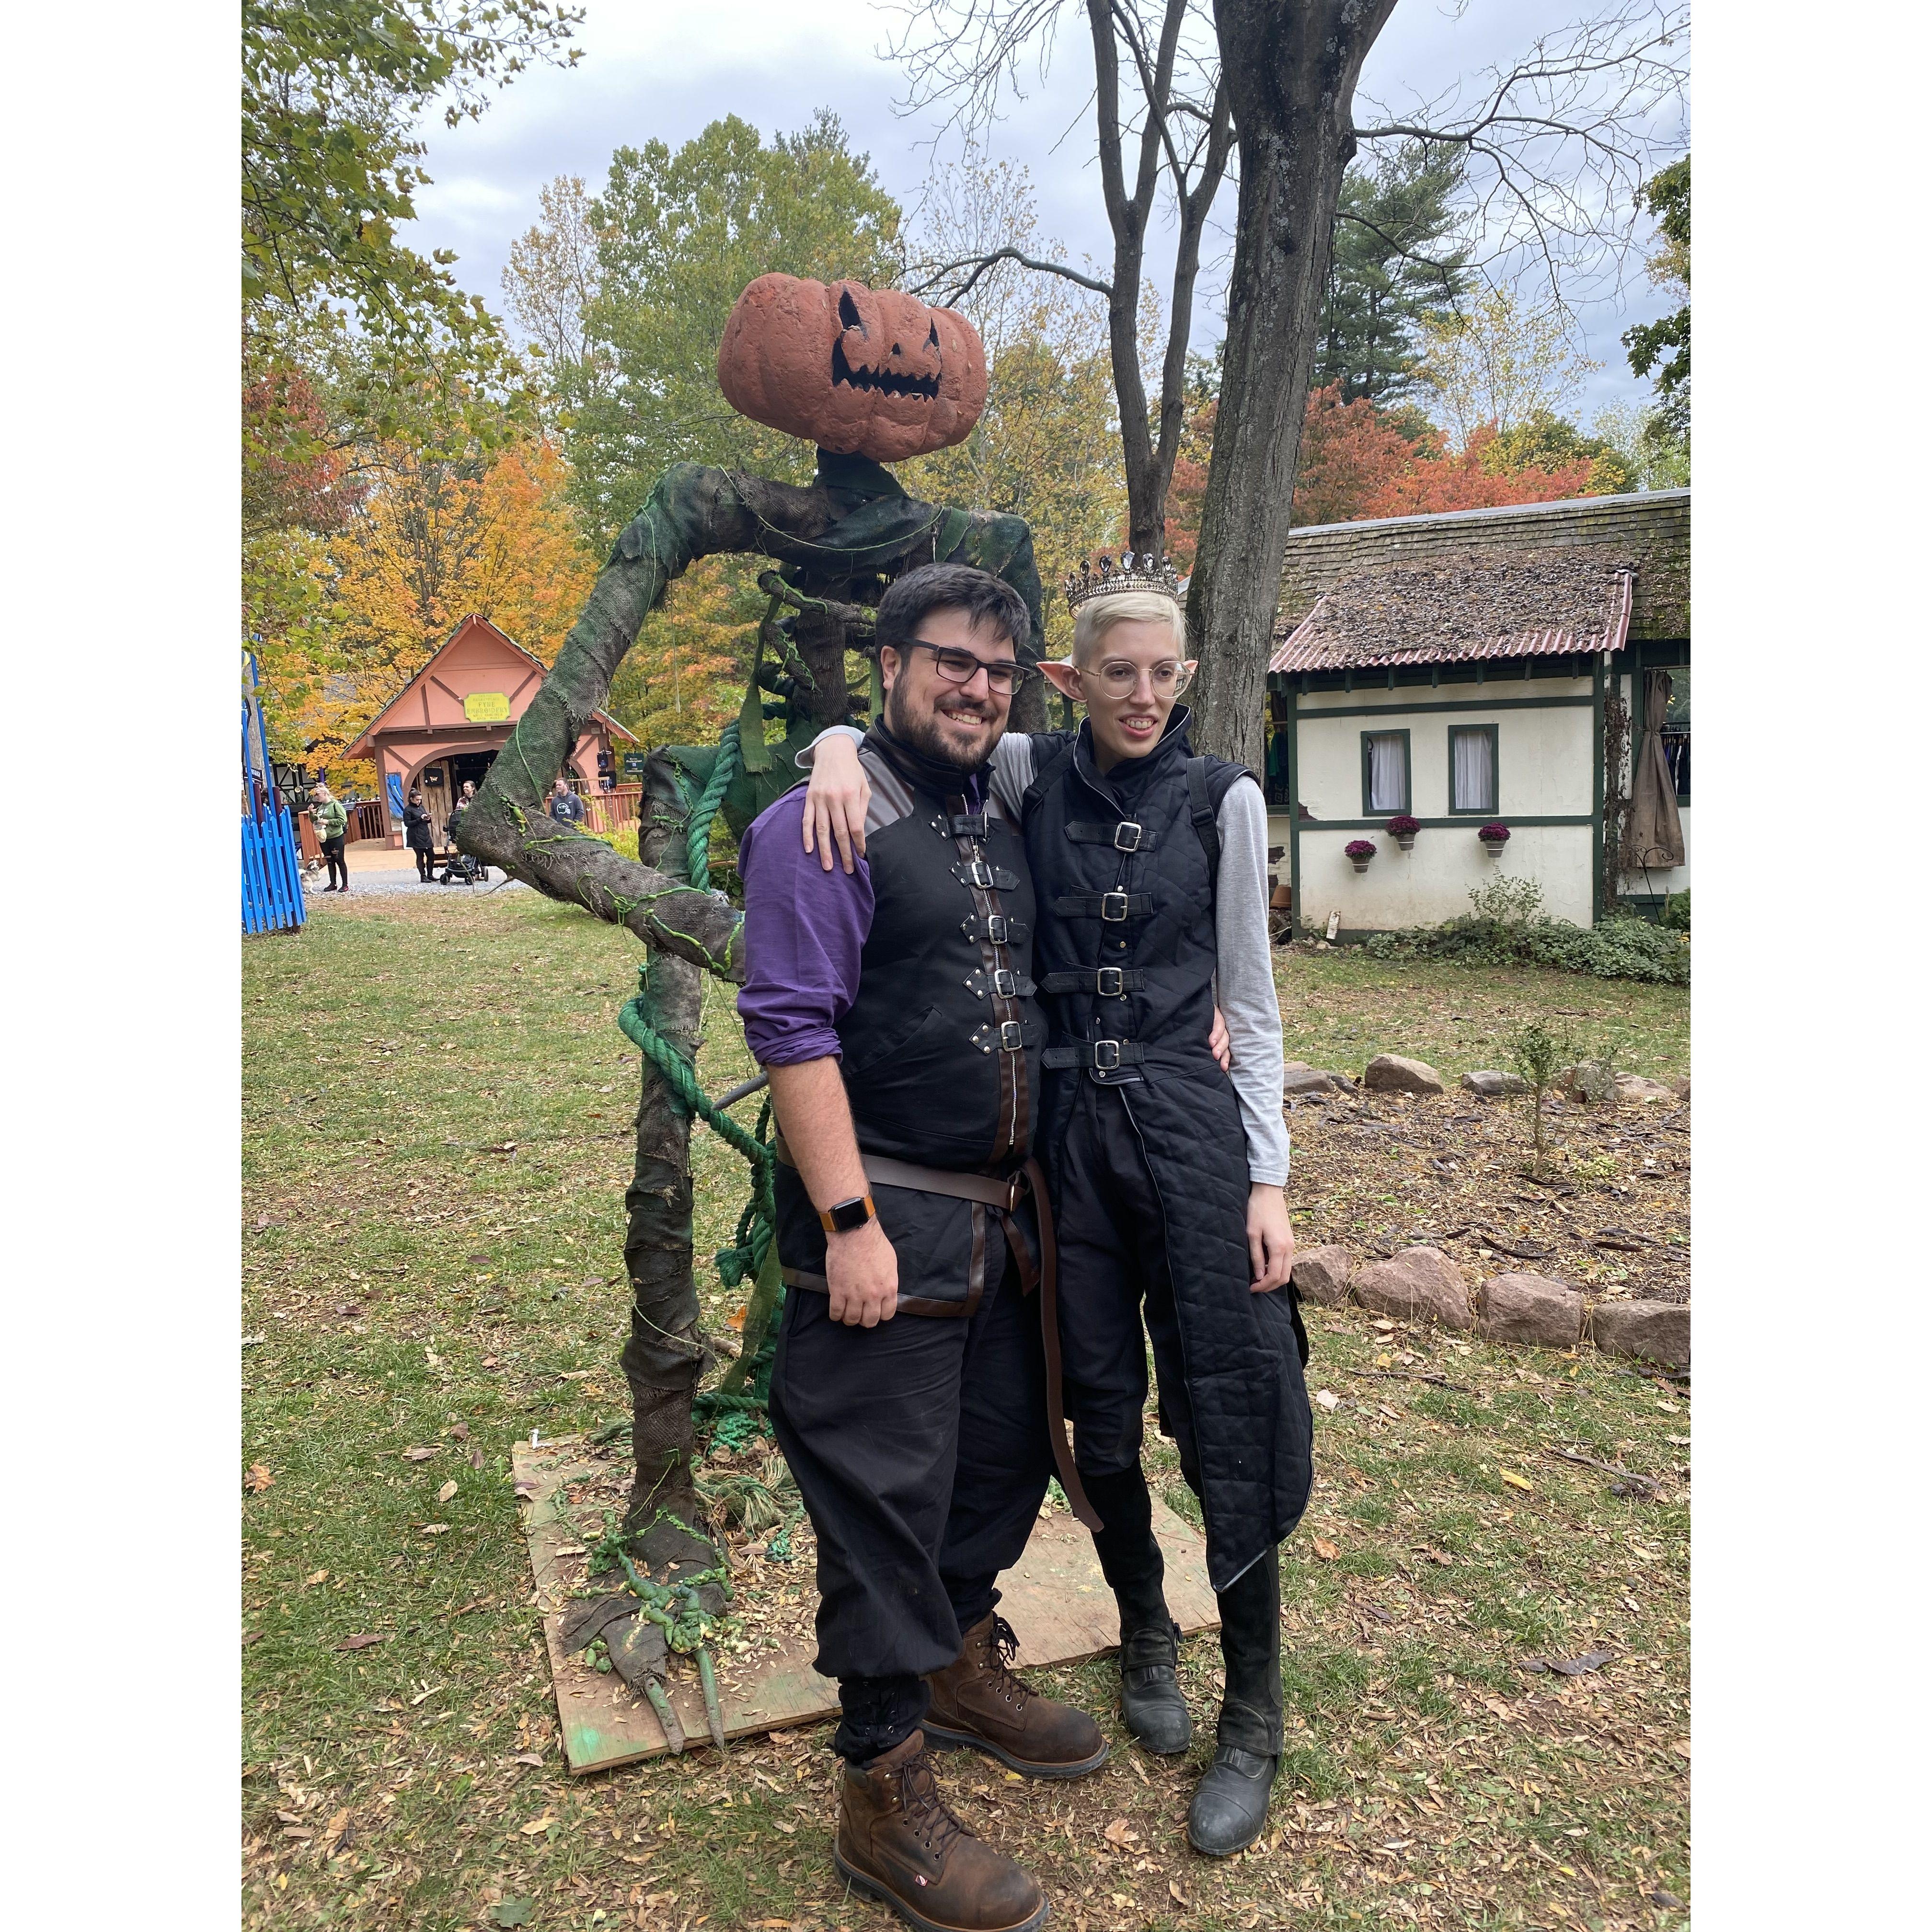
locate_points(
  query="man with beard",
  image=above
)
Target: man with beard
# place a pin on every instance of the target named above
(892, 1007)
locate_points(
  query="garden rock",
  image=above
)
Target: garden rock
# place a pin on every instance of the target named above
(1418, 1282)
(1633, 1087)
(1390, 1073)
(1651, 1331)
(1321, 1275)
(1681, 1086)
(1493, 1086)
(1528, 1308)
(1298, 1077)
(1590, 1082)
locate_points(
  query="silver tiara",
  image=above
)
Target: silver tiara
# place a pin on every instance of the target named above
(1108, 581)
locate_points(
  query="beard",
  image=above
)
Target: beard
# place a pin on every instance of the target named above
(926, 735)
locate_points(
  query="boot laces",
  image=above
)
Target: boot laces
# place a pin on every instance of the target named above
(1002, 1647)
(925, 1810)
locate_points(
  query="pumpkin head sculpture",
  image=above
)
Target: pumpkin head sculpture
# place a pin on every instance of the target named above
(860, 371)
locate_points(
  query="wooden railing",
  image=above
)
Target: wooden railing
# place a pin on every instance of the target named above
(367, 820)
(607, 812)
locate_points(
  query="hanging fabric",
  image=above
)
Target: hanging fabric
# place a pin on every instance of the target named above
(1656, 831)
(1473, 769)
(1388, 774)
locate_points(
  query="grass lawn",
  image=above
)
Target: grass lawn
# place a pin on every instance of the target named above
(438, 1107)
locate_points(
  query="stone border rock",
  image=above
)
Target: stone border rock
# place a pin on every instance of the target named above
(1528, 1309)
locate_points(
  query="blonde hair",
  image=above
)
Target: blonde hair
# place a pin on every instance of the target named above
(1097, 618)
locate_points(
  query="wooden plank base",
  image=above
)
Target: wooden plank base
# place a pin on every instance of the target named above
(1054, 1597)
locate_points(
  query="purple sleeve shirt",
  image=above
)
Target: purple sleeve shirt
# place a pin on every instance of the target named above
(805, 930)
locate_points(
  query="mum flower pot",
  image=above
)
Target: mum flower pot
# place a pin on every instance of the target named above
(1494, 837)
(1359, 852)
(1402, 829)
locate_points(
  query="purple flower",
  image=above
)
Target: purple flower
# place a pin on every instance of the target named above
(1403, 826)
(1360, 848)
(1494, 833)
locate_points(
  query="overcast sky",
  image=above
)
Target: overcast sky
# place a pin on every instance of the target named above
(653, 70)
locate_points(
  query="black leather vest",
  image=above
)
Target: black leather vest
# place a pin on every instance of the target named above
(941, 1047)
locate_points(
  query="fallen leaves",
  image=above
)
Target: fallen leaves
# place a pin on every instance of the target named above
(1120, 1835)
(537, 1825)
(422, 1453)
(320, 1576)
(258, 1479)
(512, 1911)
(448, 1489)
(1327, 1399)
(1515, 1481)
(362, 1640)
(1326, 1550)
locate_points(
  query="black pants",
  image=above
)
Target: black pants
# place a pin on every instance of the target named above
(338, 859)
(1113, 1274)
(920, 1448)
(425, 863)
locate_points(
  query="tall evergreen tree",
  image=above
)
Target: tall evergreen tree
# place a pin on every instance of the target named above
(1661, 349)
(1395, 264)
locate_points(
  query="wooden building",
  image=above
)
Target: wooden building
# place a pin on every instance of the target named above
(1528, 667)
(449, 722)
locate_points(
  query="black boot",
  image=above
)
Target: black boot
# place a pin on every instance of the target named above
(1155, 1712)
(1231, 1803)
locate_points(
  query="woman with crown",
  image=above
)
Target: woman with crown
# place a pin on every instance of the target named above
(1149, 872)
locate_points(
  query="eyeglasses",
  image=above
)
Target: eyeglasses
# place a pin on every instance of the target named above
(1003, 675)
(1119, 679)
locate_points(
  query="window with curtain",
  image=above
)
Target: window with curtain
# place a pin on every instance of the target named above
(1472, 768)
(1388, 758)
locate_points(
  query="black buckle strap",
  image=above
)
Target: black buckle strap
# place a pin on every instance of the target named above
(1003, 982)
(1109, 982)
(1125, 835)
(1007, 1036)
(998, 929)
(1104, 1056)
(1112, 906)
(985, 876)
(962, 825)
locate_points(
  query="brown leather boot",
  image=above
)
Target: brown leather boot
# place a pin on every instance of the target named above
(898, 1843)
(979, 1702)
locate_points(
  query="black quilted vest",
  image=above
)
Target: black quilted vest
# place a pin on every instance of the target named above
(1125, 957)
(941, 1046)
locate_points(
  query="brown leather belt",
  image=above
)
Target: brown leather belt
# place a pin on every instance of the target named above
(1004, 1196)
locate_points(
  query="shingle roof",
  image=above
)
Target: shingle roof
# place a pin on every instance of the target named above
(1477, 603)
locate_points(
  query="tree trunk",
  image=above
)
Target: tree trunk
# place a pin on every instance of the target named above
(1290, 67)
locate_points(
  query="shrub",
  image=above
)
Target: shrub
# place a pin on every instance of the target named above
(1360, 848)
(1675, 916)
(1506, 926)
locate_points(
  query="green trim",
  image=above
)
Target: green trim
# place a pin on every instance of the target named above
(1293, 728)
(1400, 710)
(1462, 824)
(1408, 774)
(1596, 791)
(1494, 808)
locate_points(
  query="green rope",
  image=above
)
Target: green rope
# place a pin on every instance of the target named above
(698, 834)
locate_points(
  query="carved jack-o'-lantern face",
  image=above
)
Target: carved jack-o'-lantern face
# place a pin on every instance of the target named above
(863, 372)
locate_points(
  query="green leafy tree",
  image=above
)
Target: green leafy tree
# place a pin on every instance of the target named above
(678, 235)
(1395, 264)
(332, 94)
(1661, 349)
(1545, 441)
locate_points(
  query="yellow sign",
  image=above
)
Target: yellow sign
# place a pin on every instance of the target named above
(486, 707)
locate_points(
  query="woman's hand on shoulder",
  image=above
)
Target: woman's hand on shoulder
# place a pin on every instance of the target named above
(836, 801)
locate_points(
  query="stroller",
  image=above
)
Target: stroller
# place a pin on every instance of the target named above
(458, 868)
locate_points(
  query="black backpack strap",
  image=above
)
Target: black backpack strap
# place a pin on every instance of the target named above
(1209, 782)
(1046, 778)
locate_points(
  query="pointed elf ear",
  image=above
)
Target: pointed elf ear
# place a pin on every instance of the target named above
(1059, 672)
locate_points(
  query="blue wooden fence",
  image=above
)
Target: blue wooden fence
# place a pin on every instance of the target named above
(272, 889)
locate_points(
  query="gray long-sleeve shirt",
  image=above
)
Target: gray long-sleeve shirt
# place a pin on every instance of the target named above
(1244, 965)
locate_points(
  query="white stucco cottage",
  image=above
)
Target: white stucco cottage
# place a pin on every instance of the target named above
(1528, 667)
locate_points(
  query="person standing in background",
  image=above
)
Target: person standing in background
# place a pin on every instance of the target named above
(416, 834)
(331, 826)
(566, 807)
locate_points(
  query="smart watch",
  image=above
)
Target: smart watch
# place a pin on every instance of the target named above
(842, 1217)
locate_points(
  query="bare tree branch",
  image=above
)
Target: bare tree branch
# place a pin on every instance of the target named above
(938, 282)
